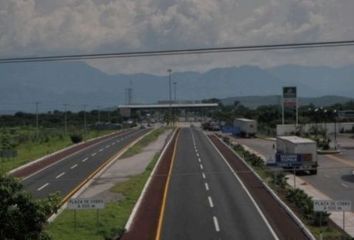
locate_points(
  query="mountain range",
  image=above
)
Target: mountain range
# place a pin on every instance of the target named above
(77, 83)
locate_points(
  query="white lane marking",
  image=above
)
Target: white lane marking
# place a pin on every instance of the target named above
(40, 188)
(108, 146)
(211, 204)
(199, 160)
(344, 185)
(206, 186)
(73, 166)
(101, 150)
(113, 143)
(197, 154)
(216, 224)
(203, 175)
(84, 160)
(93, 154)
(60, 175)
(201, 166)
(245, 189)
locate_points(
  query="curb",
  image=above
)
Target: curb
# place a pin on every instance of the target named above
(246, 190)
(288, 210)
(60, 151)
(142, 194)
(324, 152)
(87, 182)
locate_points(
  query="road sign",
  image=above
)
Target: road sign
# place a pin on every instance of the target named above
(85, 203)
(332, 205)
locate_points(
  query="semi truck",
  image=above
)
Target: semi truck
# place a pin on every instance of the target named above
(247, 127)
(299, 154)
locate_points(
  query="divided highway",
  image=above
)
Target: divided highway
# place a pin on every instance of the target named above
(66, 174)
(204, 198)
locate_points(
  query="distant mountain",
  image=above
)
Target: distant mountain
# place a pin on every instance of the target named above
(76, 83)
(255, 101)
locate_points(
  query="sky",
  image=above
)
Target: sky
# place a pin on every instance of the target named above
(52, 27)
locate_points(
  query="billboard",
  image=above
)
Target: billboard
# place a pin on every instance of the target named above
(289, 97)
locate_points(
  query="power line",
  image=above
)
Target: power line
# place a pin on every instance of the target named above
(246, 48)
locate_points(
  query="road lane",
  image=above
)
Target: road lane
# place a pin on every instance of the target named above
(205, 200)
(66, 174)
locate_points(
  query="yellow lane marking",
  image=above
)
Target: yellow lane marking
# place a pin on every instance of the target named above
(341, 160)
(72, 192)
(164, 198)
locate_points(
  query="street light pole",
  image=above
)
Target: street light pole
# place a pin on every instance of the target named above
(99, 114)
(85, 120)
(37, 120)
(175, 88)
(65, 119)
(335, 129)
(170, 93)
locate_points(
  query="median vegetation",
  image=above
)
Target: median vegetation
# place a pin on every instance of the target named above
(114, 216)
(28, 145)
(137, 148)
(296, 199)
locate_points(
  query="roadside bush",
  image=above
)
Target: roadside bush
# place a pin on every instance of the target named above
(305, 204)
(76, 138)
(320, 218)
(279, 179)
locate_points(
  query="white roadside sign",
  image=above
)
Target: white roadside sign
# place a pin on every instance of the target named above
(85, 203)
(332, 205)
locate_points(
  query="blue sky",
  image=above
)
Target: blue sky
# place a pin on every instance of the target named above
(47, 27)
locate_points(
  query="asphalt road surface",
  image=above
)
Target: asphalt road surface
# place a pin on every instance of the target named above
(68, 173)
(335, 173)
(204, 198)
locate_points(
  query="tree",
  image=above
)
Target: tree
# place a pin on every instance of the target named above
(21, 216)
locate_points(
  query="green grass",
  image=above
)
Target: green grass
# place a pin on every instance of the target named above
(137, 148)
(30, 150)
(112, 219)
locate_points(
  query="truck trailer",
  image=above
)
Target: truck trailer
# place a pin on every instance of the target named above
(300, 154)
(248, 127)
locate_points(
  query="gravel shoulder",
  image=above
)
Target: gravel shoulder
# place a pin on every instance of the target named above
(122, 169)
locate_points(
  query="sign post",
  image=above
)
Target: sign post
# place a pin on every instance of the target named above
(85, 204)
(332, 206)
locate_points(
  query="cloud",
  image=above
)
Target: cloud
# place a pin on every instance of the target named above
(42, 27)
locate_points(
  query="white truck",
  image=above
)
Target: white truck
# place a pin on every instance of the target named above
(296, 153)
(247, 127)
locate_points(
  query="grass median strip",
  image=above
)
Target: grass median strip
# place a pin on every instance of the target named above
(137, 148)
(114, 216)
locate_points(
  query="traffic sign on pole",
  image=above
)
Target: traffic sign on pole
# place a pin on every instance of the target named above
(85, 203)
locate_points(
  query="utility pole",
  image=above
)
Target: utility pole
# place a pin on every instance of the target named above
(85, 122)
(175, 88)
(170, 94)
(99, 113)
(65, 119)
(37, 121)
